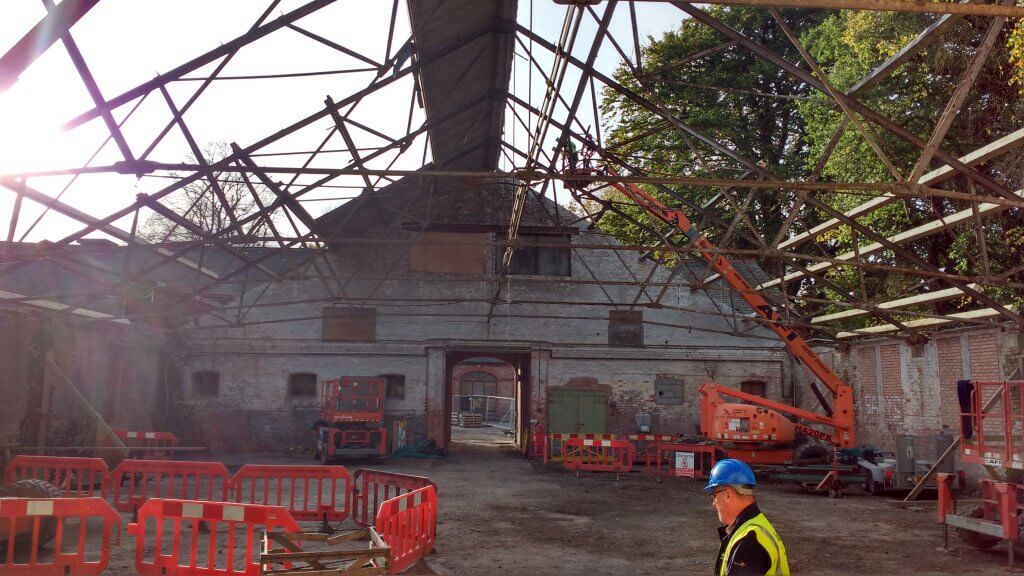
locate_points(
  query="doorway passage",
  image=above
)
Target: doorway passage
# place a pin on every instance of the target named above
(484, 399)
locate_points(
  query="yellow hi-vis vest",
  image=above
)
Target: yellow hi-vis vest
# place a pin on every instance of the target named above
(767, 537)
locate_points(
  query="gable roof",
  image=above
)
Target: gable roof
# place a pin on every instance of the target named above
(425, 201)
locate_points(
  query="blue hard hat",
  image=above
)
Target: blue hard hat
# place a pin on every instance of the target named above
(729, 471)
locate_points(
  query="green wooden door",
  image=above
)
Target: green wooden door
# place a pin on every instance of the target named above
(561, 413)
(576, 411)
(591, 408)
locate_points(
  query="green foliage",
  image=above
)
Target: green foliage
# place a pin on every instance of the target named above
(850, 44)
(730, 96)
(1015, 44)
(765, 115)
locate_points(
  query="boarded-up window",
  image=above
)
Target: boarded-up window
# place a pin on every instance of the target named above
(542, 255)
(668, 390)
(626, 327)
(755, 387)
(449, 252)
(394, 386)
(206, 383)
(302, 384)
(349, 324)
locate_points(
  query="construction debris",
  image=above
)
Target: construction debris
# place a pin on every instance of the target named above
(317, 553)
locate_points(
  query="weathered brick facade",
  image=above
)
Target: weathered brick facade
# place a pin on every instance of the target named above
(118, 369)
(904, 389)
(560, 330)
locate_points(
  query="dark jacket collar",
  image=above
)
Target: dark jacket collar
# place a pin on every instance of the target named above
(744, 515)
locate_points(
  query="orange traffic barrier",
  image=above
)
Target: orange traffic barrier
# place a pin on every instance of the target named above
(133, 482)
(307, 492)
(73, 476)
(159, 445)
(188, 537)
(598, 455)
(370, 488)
(28, 523)
(408, 523)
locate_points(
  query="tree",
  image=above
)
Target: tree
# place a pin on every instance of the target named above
(767, 116)
(849, 44)
(726, 93)
(1016, 46)
(198, 203)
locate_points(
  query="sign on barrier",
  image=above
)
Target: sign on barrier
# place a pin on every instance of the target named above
(307, 492)
(598, 455)
(33, 521)
(685, 460)
(169, 539)
(73, 476)
(159, 445)
(408, 523)
(370, 488)
(135, 481)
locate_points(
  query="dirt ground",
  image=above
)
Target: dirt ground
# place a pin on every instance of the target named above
(502, 514)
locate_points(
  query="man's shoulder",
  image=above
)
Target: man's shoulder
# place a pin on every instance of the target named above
(749, 557)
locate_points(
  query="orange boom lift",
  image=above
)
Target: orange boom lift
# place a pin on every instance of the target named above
(756, 432)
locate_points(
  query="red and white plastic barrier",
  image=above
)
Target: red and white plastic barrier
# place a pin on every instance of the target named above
(556, 443)
(408, 523)
(598, 455)
(650, 437)
(307, 492)
(169, 539)
(132, 482)
(73, 476)
(370, 488)
(159, 445)
(72, 551)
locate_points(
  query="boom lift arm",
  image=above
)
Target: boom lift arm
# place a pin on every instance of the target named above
(840, 419)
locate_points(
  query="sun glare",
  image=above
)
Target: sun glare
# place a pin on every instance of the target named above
(31, 137)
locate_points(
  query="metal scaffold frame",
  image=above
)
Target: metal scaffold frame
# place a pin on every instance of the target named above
(549, 108)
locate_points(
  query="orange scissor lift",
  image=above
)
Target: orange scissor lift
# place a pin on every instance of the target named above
(992, 435)
(757, 431)
(351, 418)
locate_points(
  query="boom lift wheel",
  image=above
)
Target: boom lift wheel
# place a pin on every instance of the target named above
(47, 528)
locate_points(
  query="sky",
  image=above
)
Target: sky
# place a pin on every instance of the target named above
(127, 42)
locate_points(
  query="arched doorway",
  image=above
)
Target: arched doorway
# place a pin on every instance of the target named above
(485, 402)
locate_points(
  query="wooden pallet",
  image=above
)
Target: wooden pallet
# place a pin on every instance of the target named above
(470, 420)
(314, 553)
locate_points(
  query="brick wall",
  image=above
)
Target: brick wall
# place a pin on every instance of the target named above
(917, 392)
(117, 368)
(630, 385)
(564, 328)
(254, 410)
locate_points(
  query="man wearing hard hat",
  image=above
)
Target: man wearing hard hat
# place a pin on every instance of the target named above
(750, 545)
